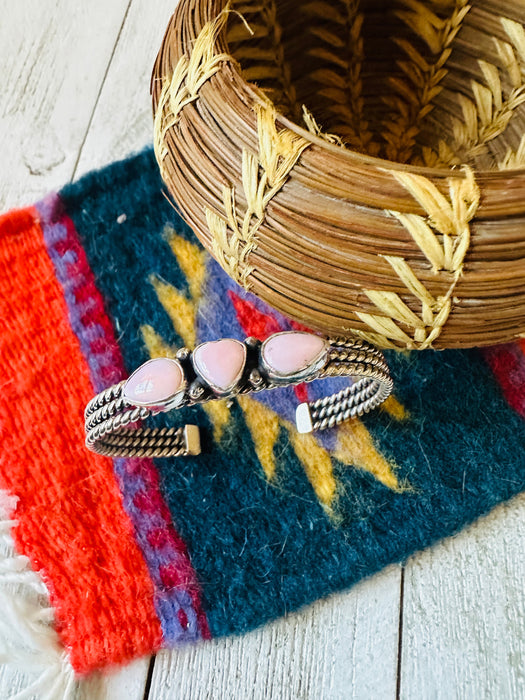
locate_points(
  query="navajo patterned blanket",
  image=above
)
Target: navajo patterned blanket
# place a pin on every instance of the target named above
(139, 554)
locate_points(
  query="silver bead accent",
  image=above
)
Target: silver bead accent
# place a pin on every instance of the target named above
(255, 378)
(252, 342)
(183, 354)
(196, 391)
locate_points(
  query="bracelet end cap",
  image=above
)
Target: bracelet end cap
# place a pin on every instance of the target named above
(303, 418)
(192, 440)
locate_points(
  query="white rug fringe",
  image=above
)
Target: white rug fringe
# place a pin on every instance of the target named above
(28, 640)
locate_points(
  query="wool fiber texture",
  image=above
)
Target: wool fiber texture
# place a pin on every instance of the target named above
(105, 276)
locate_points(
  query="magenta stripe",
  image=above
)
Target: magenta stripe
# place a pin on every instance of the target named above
(177, 593)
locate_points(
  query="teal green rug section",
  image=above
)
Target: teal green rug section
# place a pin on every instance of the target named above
(273, 520)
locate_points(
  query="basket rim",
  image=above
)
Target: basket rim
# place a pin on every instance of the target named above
(384, 164)
(364, 158)
(487, 175)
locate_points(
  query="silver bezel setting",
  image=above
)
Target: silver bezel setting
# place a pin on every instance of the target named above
(308, 372)
(171, 402)
(217, 390)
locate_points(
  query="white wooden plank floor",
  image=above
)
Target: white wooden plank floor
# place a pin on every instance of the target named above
(74, 96)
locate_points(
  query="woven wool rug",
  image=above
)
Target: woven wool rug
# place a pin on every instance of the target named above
(128, 556)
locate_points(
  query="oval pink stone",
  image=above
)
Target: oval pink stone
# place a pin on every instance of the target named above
(154, 383)
(292, 352)
(220, 363)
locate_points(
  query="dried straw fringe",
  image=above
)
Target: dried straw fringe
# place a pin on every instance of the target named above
(444, 237)
(314, 128)
(338, 27)
(263, 175)
(191, 72)
(488, 114)
(413, 100)
(28, 640)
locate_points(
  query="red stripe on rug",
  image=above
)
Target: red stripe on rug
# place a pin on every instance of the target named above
(508, 364)
(71, 521)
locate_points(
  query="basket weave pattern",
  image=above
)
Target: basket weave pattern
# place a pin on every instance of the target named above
(359, 166)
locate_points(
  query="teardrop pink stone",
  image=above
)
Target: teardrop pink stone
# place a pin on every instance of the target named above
(220, 362)
(154, 383)
(292, 352)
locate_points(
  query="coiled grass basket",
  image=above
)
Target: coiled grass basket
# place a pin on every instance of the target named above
(357, 165)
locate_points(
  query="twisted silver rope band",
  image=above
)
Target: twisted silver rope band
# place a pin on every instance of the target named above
(113, 424)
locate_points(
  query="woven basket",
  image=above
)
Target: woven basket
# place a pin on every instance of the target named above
(357, 165)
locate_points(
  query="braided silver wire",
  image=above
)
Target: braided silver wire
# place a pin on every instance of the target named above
(105, 397)
(361, 397)
(156, 442)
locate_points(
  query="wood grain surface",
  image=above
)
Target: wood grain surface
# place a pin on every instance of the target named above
(75, 95)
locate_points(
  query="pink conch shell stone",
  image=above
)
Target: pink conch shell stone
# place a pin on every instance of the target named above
(220, 363)
(154, 383)
(289, 353)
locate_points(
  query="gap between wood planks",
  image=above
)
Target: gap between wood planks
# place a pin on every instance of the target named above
(400, 633)
(149, 678)
(97, 99)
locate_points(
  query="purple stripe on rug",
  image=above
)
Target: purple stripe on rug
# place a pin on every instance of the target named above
(163, 549)
(87, 316)
(177, 593)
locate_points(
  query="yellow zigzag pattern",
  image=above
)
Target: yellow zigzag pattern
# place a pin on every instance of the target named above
(181, 311)
(355, 446)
